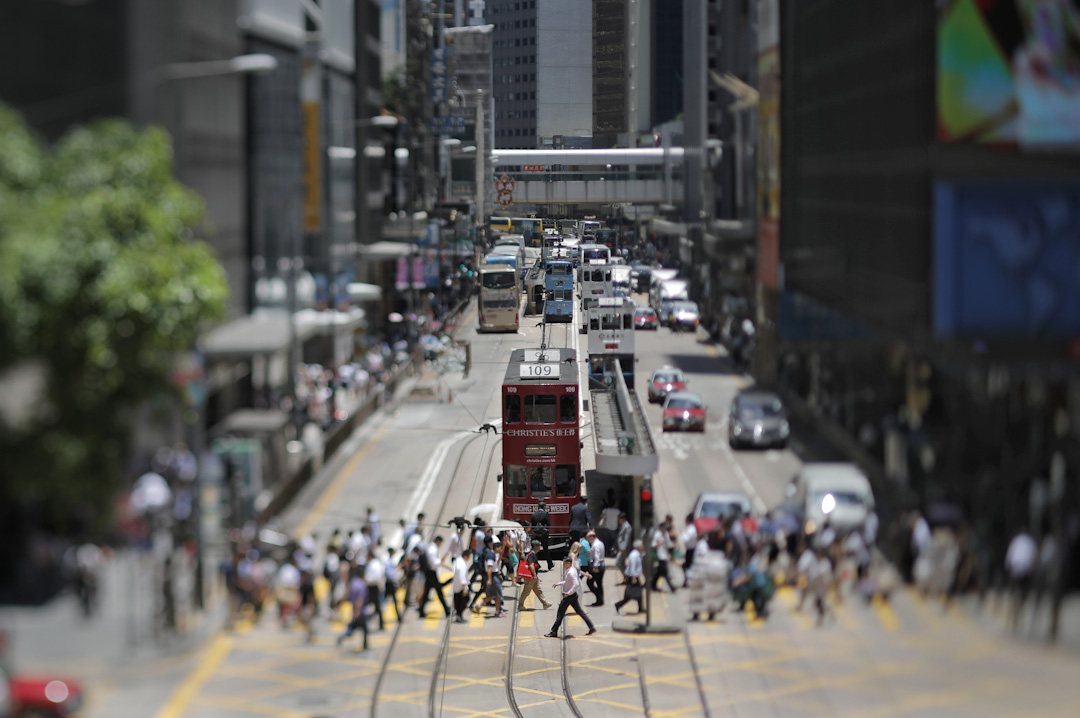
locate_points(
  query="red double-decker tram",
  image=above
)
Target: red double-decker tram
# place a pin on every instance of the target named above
(541, 437)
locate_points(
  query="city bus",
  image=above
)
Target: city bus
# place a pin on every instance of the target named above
(611, 338)
(541, 452)
(499, 298)
(532, 228)
(559, 289)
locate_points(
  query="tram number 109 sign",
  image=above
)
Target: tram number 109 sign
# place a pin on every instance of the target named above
(539, 371)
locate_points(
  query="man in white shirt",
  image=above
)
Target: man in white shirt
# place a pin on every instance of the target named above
(571, 581)
(689, 542)
(1020, 564)
(459, 584)
(632, 575)
(596, 567)
(429, 564)
(375, 578)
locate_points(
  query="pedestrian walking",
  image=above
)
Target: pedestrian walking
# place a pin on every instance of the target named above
(358, 598)
(307, 604)
(580, 521)
(632, 578)
(623, 540)
(375, 578)
(493, 591)
(596, 567)
(392, 581)
(661, 547)
(374, 527)
(1020, 560)
(541, 523)
(689, 542)
(571, 581)
(429, 565)
(530, 583)
(459, 584)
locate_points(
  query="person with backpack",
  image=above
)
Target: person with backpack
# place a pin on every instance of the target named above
(527, 572)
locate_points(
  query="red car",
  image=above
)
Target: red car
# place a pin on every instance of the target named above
(663, 381)
(36, 696)
(683, 411)
(645, 318)
(42, 697)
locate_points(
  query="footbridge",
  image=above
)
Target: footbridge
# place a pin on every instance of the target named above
(645, 175)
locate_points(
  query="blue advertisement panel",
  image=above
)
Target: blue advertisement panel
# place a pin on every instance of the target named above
(1007, 258)
(802, 318)
(438, 80)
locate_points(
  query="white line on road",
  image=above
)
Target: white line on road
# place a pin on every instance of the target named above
(427, 481)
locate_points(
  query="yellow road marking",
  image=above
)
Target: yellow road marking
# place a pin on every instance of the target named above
(885, 614)
(527, 619)
(208, 664)
(331, 491)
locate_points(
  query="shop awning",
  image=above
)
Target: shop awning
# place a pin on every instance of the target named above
(260, 333)
(361, 292)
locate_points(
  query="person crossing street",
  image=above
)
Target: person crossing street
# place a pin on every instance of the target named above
(571, 581)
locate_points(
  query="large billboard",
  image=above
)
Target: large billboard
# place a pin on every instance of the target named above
(1008, 72)
(1006, 258)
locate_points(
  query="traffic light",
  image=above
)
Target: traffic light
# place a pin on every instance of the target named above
(646, 501)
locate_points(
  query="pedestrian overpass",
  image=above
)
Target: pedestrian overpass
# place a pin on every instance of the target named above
(641, 175)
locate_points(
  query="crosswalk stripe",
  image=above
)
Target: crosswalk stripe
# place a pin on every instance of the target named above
(528, 618)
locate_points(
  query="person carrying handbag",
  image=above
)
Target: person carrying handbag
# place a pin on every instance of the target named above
(527, 571)
(632, 574)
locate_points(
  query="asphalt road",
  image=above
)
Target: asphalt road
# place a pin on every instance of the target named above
(909, 657)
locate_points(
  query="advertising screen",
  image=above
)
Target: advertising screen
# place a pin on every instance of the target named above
(1008, 73)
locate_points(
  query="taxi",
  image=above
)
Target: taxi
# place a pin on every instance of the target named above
(683, 411)
(663, 381)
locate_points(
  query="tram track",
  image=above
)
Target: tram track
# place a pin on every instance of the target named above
(445, 639)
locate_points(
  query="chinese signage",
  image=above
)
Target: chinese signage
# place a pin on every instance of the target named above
(438, 75)
(448, 125)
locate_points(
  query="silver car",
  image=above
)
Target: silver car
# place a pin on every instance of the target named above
(758, 419)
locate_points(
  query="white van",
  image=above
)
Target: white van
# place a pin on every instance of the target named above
(669, 290)
(839, 492)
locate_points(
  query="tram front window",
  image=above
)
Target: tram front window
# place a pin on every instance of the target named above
(540, 482)
(512, 409)
(540, 409)
(565, 480)
(568, 408)
(514, 481)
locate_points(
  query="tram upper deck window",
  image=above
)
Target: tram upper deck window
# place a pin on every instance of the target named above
(512, 409)
(514, 481)
(594, 323)
(539, 482)
(568, 408)
(628, 320)
(565, 480)
(611, 321)
(540, 409)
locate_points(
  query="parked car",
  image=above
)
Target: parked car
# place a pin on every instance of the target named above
(645, 318)
(839, 492)
(684, 316)
(663, 381)
(683, 411)
(714, 507)
(758, 419)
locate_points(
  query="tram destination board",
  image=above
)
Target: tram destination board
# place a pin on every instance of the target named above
(537, 370)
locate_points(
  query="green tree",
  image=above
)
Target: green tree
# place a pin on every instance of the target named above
(102, 284)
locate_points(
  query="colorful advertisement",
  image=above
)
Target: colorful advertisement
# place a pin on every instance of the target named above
(1006, 259)
(768, 157)
(1008, 72)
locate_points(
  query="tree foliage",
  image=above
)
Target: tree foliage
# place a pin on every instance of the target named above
(102, 284)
